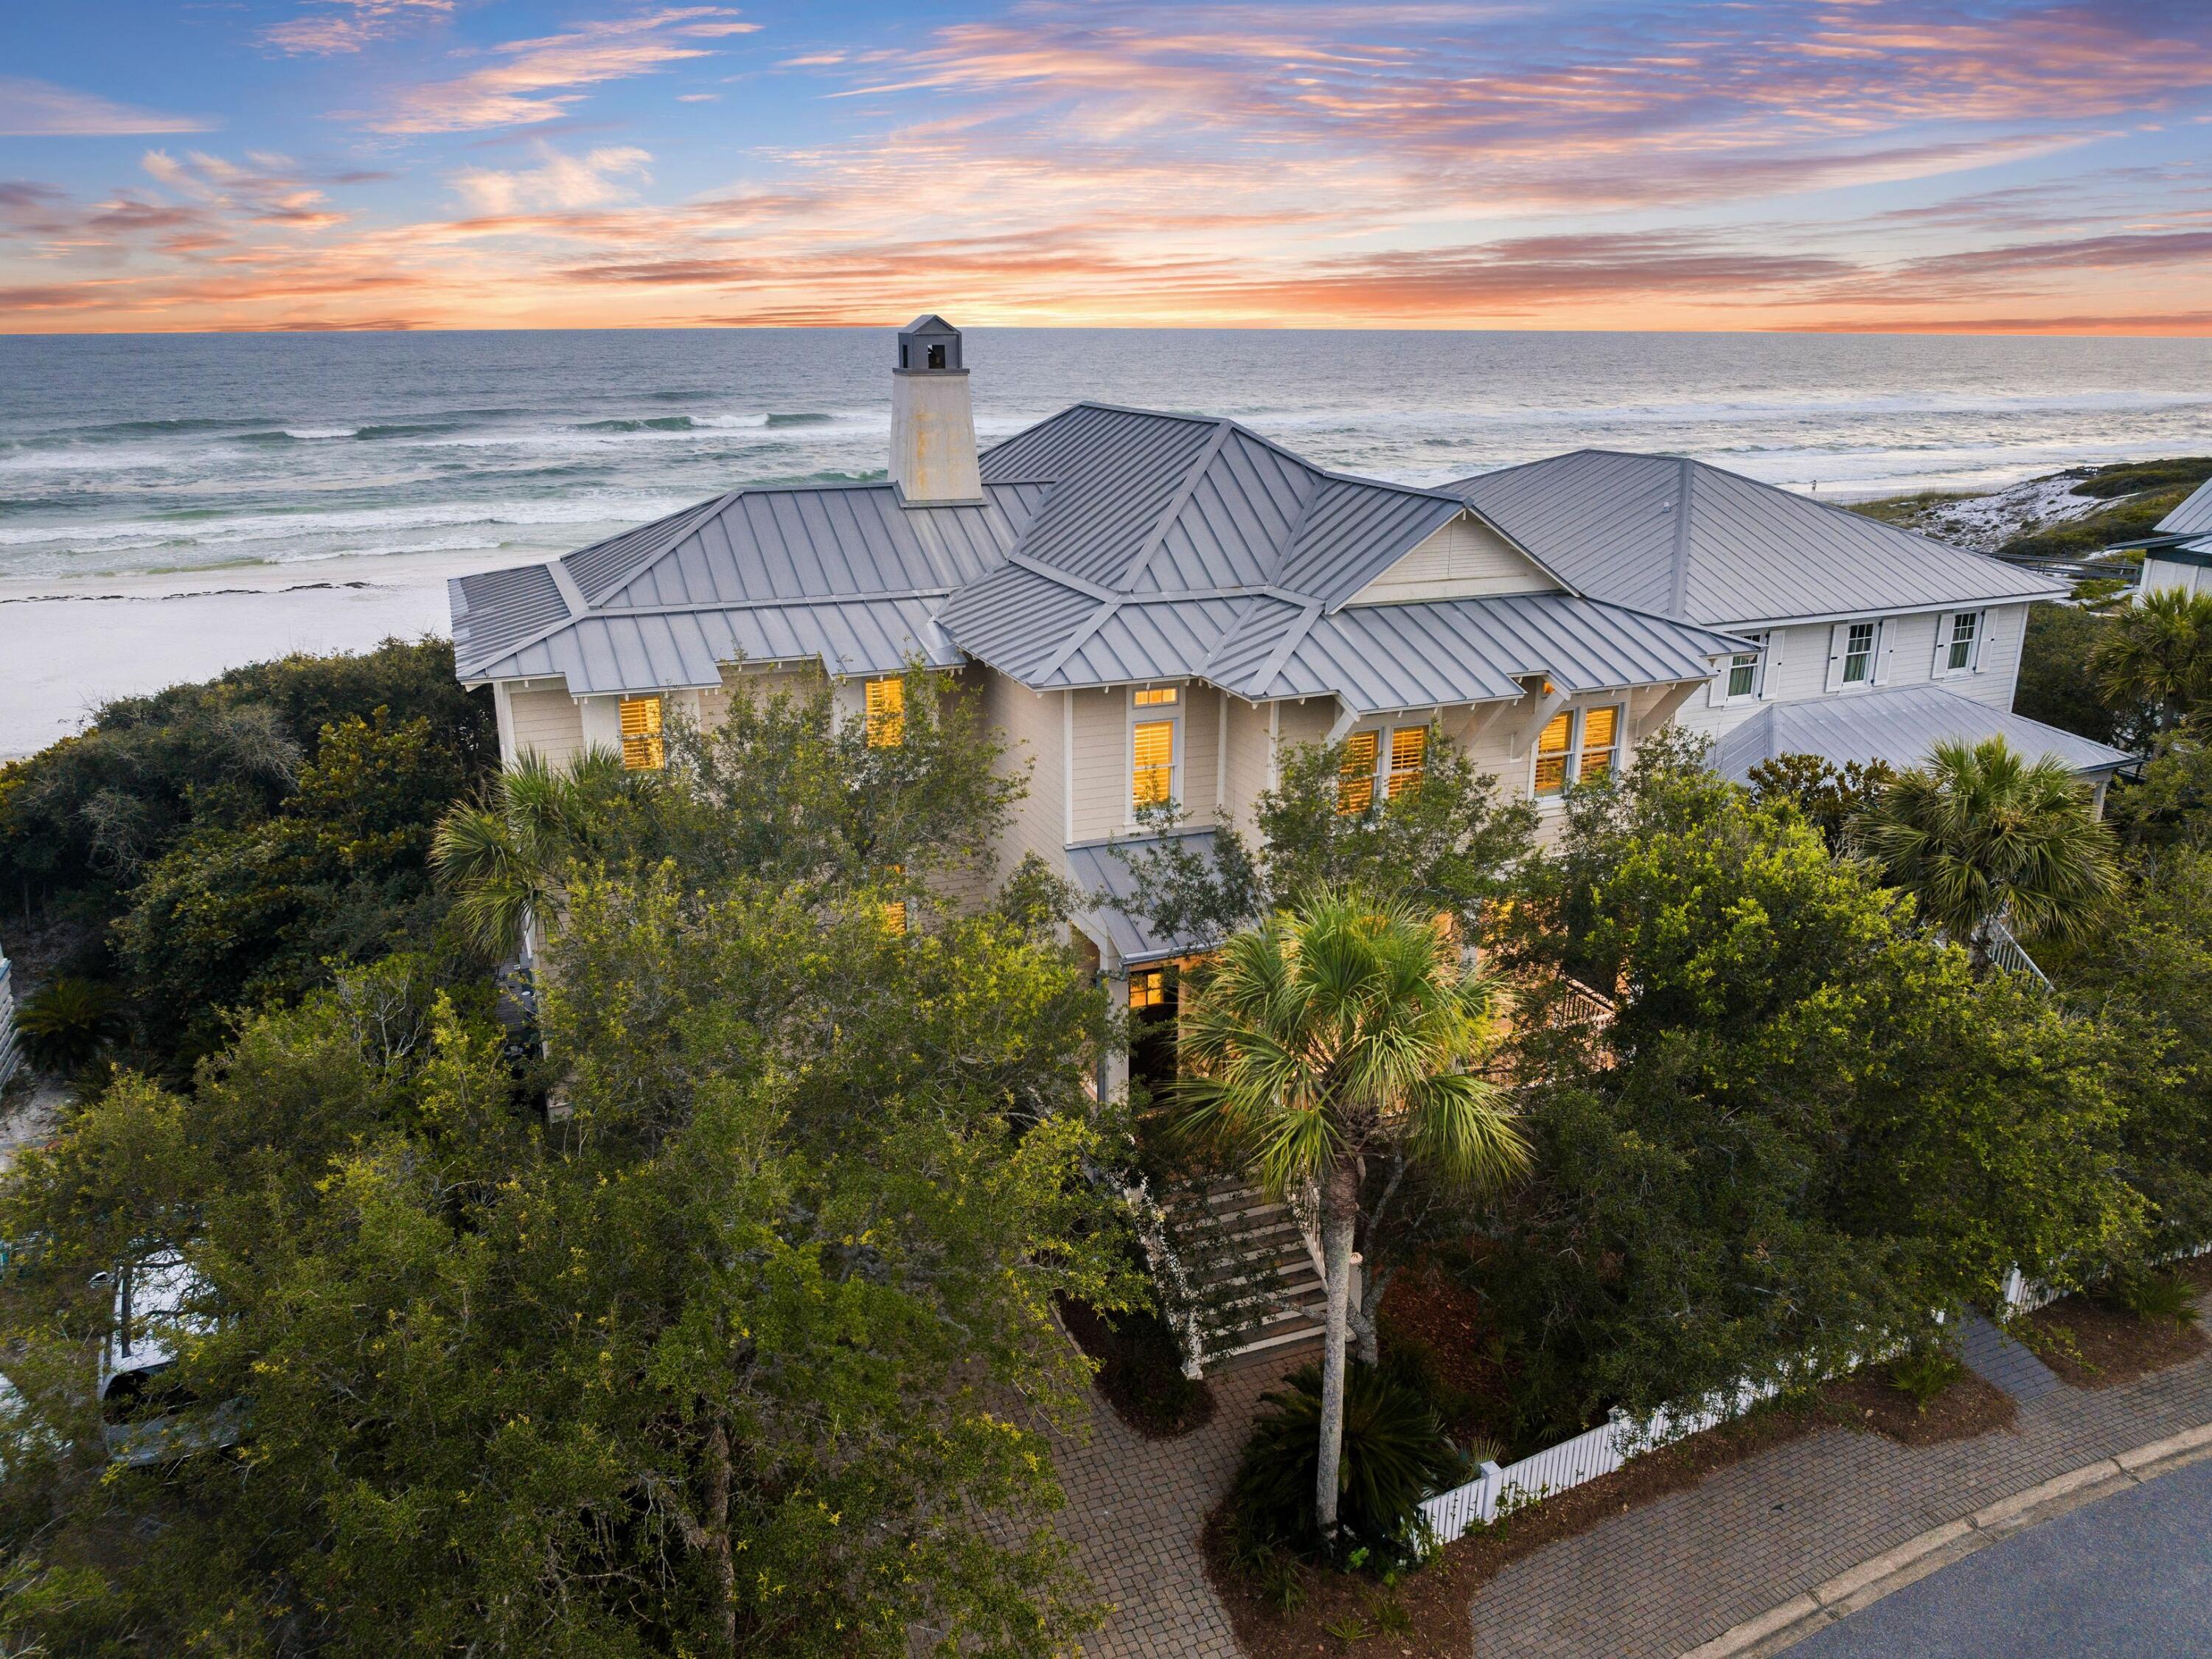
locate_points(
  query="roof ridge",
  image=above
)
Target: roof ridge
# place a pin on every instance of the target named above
(1685, 484)
(1193, 473)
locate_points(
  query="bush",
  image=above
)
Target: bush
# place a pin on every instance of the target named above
(2150, 1295)
(1395, 1453)
(1925, 1372)
(67, 1023)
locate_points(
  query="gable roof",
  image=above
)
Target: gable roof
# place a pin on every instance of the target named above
(1695, 542)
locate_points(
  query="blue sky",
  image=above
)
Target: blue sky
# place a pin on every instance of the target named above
(1854, 164)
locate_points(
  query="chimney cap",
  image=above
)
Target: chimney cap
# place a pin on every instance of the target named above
(929, 346)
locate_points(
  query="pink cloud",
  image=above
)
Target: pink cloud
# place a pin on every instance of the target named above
(38, 109)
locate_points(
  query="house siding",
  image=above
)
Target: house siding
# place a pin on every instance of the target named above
(1032, 726)
(1247, 762)
(547, 722)
(1102, 763)
(1464, 559)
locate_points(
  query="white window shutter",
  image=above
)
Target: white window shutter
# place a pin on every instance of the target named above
(1940, 665)
(1839, 637)
(1884, 641)
(1981, 640)
(1770, 680)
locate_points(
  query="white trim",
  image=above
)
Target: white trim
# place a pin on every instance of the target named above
(1068, 765)
(1220, 756)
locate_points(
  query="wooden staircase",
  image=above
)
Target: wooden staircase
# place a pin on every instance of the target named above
(1265, 1277)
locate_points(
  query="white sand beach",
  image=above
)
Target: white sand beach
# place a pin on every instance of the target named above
(67, 647)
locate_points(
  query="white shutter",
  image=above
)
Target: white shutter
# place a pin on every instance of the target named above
(1981, 640)
(1884, 641)
(1770, 678)
(1840, 637)
(1938, 667)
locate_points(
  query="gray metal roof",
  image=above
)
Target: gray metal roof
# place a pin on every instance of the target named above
(1099, 872)
(2193, 516)
(1667, 534)
(1900, 726)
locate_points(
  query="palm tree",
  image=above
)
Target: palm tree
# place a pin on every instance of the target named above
(2157, 654)
(1979, 832)
(1344, 1027)
(504, 854)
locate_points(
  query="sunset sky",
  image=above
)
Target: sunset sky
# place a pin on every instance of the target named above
(1856, 164)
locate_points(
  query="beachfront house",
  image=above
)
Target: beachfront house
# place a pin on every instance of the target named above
(2177, 553)
(1153, 606)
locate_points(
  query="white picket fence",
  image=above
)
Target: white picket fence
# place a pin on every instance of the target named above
(1600, 1451)
(1593, 1452)
(9, 1053)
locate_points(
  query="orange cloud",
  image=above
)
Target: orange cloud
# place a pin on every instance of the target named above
(537, 81)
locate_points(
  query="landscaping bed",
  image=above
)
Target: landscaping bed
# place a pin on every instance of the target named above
(2093, 1344)
(1140, 1371)
(1424, 1614)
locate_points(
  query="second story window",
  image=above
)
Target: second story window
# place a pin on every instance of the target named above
(1355, 774)
(1858, 654)
(1965, 635)
(1745, 670)
(643, 749)
(1151, 763)
(886, 714)
(1148, 988)
(1154, 696)
(1600, 735)
(1553, 746)
(1409, 757)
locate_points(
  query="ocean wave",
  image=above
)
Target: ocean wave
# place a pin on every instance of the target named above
(655, 424)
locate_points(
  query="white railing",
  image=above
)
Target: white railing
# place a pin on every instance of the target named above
(2025, 1295)
(2008, 955)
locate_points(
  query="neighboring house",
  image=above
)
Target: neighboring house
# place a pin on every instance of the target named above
(2177, 553)
(1153, 606)
(1866, 642)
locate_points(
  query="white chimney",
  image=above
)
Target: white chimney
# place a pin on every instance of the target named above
(932, 422)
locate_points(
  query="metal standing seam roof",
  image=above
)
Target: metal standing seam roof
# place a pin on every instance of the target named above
(1900, 725)
(1100, 873)
(1669, 534)
(2193, 516)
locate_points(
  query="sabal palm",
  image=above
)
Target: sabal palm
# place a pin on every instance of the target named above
(503, 854)
(1979, 832)
(2158, 654)
(1343, 1027)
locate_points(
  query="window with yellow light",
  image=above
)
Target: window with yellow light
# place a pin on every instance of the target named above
(1554, 745)
(1409, 755)
(643, 749)
(1355, 774)
(886, 714)
(1151, 763)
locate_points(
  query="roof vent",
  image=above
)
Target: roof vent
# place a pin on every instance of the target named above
(932, 422)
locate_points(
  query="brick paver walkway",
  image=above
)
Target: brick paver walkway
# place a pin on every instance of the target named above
(1663, 1577)
(1135, 1508)
(2003, 1363)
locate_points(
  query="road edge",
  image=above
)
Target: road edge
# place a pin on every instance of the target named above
(1837, 1598)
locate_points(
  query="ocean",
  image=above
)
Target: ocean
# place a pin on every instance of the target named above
(189, 454)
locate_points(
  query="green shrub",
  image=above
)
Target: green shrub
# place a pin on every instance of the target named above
(1395, 1453)
(1925, 1372)
(67, 1023)
(2153, 1295)
(1141, 1370)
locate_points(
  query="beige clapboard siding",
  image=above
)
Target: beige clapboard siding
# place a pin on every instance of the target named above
(1030, 726)
(1247, 762)
(1201, 730)
(1464, 559)
(547, 723)
(1101, 764)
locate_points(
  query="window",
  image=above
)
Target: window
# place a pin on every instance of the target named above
(895, 912)
(1965, 628)
(1148, 988)
(1409, 754)
(1154, 696)
(886, 714)
(1553, 746)
(1579, 746)
(643, 747)
(936, 357)
(1743, 669)
(1152, 773)
(1858, 654)
(1355, 774)
(1601, 731)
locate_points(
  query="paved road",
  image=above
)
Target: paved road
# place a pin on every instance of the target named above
(2129, 1575)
